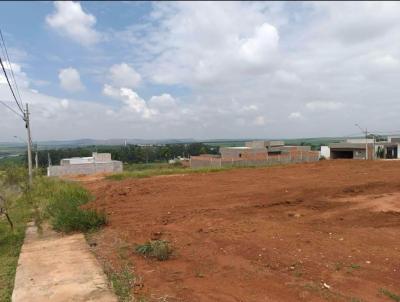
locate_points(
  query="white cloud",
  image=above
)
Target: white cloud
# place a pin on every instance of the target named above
(131, 99)
(296, 116)
(259, 121)
(260, 48)
(70, 20)
(161, 116)
(321, 105)
(64, 103)
(70, 80)
(162, 103)
(250, 107)
(123, 75)
(238, 64)
(135, 102)
(387, 62)
(373, 20)
(206, 43)
(287, 77)
(20, 76)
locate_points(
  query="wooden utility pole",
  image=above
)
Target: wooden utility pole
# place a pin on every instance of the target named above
(36, 161)
(366, 143)
(28, 129)
(36, 158)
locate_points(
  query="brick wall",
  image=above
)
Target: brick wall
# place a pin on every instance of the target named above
(84, 169)
(102, 157)
(294, 156)
(229, 153)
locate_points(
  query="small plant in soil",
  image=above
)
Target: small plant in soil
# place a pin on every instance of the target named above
(122, 282)
(158, 249)
(338, 266)
(390, 294)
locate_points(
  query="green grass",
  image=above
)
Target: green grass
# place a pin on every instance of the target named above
(157, 169)
(390, 295)
(61, 203)
(170, 171)
(158, 249)
(49, 199)
(167, 171)
(150, 166)
(10, 244)
(338, 266)
(355, 266)
(122, 282)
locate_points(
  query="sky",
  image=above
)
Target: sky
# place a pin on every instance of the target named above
(202, 70)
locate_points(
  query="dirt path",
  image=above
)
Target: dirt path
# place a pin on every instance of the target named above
(326, 231)
(53, 267)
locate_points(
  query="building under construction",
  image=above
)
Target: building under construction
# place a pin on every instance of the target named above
(97, 163)
(255, 153)
(362, 148)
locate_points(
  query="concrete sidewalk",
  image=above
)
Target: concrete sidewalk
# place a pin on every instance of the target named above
(53, 267)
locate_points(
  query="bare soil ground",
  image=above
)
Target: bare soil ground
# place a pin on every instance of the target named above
(326, 231)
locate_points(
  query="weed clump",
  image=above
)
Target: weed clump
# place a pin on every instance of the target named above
(158, 249)
(122, 283)
(390, 294)
(62, 203)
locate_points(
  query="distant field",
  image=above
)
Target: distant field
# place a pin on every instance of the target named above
(9, 150)
(11, 154)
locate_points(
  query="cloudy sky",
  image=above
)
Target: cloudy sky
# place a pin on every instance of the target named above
(202, 70)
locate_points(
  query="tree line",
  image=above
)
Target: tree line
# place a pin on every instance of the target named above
(128, 153)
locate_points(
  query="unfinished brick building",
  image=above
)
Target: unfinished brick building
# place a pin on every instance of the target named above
(97, 163)
(256, 153)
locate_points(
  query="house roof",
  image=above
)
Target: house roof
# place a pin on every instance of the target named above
(345, 145)
(237, 148)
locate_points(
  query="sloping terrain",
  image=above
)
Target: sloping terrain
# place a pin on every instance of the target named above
(326, 231)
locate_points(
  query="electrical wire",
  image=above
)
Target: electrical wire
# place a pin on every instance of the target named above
(12, 91)
(12, 71)
(9, 107)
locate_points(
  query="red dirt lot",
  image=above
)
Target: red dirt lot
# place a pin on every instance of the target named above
(326, 231)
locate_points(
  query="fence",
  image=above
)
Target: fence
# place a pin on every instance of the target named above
(285, 158)
(84, 169)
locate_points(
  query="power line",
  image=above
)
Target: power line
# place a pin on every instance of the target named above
(25, 113)
(17, 113)
(12, 71)
(6, 61)
(9, 85)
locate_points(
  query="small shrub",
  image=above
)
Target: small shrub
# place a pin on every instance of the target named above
(158, 249)
(338, 266)
(390, 295)
(69, 218)
(177, 164)
(63, 206)
(122, 283)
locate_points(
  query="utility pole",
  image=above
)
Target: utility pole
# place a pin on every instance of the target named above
(28, 129)
(36, 158)
(366, 142)
(48, 159)
(373, 148)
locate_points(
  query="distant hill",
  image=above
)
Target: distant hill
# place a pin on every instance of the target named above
(104, 142)
(135, 141)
